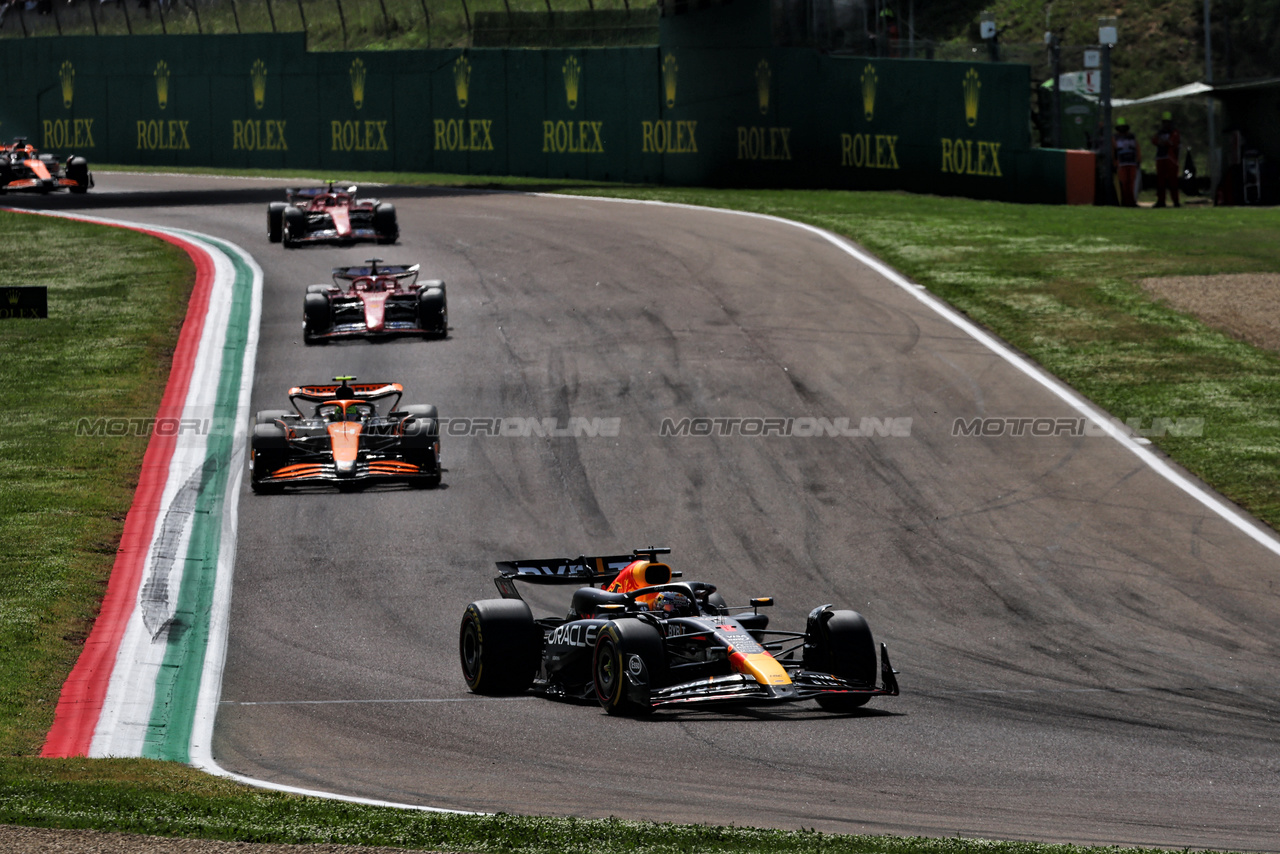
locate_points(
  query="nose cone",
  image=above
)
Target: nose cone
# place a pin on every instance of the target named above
(346, 468)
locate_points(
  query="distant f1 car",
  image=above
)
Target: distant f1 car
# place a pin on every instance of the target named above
(641, 641)
(330, 214)
(22, 168)
(374, 301)
(343, 440)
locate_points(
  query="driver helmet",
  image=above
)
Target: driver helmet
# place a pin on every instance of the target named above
(671, 603)
(355, 413)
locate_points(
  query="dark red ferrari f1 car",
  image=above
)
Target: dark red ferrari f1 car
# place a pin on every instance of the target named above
(330, 214)
(374, 301)
(641, 640)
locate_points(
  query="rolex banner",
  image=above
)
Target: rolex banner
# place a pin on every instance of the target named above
(734, 116)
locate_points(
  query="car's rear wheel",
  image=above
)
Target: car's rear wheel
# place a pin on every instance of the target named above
(317, 316)
(384, 223)
(840, 643)
(275, 221)
(627, 647)
(499, 645)
(433, 308)
(295, 226)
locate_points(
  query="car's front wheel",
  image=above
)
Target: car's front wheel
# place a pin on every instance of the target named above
(499, 645)
(629, 662)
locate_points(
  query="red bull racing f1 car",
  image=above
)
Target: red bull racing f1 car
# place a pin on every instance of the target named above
(636, 639)
(330, 214)
(336, 435)
(374, 301)
(22, 168)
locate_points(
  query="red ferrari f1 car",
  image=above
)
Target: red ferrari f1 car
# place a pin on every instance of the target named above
(342, 439)
(330, 214)
(375, 301)
(22, 168)
(637, 640)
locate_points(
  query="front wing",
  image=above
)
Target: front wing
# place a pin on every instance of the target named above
(359, 330)
(740, 688)
(331, 235)
(370, 471)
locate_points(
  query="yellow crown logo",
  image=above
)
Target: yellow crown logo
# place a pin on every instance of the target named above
(68, 76)
(162, 83)
(357, 82)
(669, 70)
(869, 79)
(972, 88)
(572, 77)
(13, 297)
(462, 79)
(764, 78)
(258, 74)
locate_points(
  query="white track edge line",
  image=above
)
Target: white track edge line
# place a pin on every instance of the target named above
(1229, 513)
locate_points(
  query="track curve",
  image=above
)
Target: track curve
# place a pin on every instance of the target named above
(1088, 654)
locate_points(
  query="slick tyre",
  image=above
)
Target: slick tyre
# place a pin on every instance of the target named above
(627, 651)
(317, 316)
(270, 453)
(78, 171)
(433, 308)
(499, 645)
(275, 221)
(845, 648)
(295, 226)
(384, 223)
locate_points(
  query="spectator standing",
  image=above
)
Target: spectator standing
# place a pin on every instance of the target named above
(1128, 158)
(1167, 141)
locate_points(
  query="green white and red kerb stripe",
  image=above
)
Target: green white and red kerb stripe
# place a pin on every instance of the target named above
(148, 679)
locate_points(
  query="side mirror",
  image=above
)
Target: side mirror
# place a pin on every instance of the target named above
(761, 602)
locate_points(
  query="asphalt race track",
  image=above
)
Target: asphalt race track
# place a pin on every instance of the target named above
(1087, 654)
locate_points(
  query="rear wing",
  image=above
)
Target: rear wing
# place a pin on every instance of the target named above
(399, 272)
(292, 193)
(580, 571)
(329, 391)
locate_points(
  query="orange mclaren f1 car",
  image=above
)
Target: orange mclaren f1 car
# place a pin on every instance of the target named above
(330, 214)
(636, 640)
(342, 439)
(22, 168)
(375, 301)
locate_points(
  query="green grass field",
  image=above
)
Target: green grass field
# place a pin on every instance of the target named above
(1058, 283)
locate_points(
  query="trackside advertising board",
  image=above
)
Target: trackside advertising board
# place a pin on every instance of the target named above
(705, 115)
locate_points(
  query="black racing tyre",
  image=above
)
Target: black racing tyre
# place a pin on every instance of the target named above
(317, 314)
(269, 437)
(78, 171)
(269, 449)
(622, 647)
(275, 221)
(318, 289)
(841, 644)
(433, 308)
(499, 646)
(295, 226)
(384, 223)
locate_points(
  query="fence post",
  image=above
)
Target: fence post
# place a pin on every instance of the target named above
(303, 16)
(386, 22)
(93, 17)
(56, 21)
(343, 18)
(22, 19)
(272, 16)
(427, 15)
(466, 14)
(195, 7)
(128, 25)
(235, 13)
(164, 30)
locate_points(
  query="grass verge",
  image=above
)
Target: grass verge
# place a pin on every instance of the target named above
(1059, 283)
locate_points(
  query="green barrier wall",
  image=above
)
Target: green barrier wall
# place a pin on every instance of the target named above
(682, 114)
